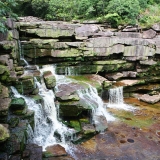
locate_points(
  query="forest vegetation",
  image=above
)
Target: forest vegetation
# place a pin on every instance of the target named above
(114, 12)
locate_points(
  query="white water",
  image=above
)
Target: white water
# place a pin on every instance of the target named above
(88, 95)
(45, 118)
(116, 99)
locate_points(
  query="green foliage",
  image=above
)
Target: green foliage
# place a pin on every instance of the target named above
(6, 11)
(127, 10)
(150, 16)
(114, 12)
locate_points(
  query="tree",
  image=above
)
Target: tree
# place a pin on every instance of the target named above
(128, 10)
(6, 11)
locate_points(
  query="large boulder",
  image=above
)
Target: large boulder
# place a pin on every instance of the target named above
(149, 34)
(150, 99)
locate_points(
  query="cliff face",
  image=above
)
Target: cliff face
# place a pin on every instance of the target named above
(130, 58)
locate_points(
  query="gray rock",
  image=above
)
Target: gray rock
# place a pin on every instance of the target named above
(104, 34)
(129, 74)
(86, 30)
(156, 27)
(114, 76)
(149, 34)
(128, 35)
(148, 62)
(138, 50)
(150, 99)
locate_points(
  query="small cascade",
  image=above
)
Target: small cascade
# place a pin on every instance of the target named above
(90, 97)
(116, 99)
(46, 121)
(30, 133)
(116, 95)
(71, 71)
(21, 52)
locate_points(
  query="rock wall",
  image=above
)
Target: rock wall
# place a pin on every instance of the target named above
(94, 49)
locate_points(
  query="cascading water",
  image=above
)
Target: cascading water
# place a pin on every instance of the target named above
(116, 99)
(90, 96)
(116, 95)
(21, 52)
(72, 70)
(45, 119)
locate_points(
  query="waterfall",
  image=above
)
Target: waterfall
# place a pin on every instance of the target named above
(21, 52)
(116, 99)
(116, 95)
(45, 119)
(90, 97)
(72, 70)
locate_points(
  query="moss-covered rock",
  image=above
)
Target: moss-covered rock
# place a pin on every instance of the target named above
(4, 133)
(18, 103)
(75, 124)
(50, 79)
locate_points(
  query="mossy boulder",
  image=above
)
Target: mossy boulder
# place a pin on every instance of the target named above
(72, 108)
(18, 103)
(50, 79)
(4, 133)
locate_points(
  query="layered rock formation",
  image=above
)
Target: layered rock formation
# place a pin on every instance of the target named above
(130, 58)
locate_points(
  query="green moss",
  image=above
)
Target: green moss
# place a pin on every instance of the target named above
(135, 121)
(4, 134)
(84, 79)
(75, 124)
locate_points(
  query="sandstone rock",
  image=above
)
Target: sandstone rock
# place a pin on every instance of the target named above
(56, 150)
(129, 74)
(72, 97)
(4, 133)
(149, 34)
(135, 58)
(150, 99)
(128, 35)
(129, 82)
(148, 63)
(86, 30)
(49, 79)
(114, 76)
(103, 34)
(139, 51)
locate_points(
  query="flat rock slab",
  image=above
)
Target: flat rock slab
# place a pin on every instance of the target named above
(150, 99)
(129, 82)
(56, 150)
